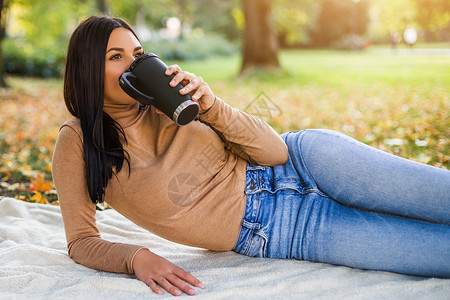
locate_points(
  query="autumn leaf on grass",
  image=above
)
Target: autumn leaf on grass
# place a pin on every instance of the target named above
(21, 197)
(40, 185)
(38, 198)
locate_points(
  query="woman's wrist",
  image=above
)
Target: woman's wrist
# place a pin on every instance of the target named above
(138, 255)
(209, 108)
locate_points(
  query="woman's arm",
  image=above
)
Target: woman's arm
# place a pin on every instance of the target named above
(84, 242)
(243, 134)
(85, 245)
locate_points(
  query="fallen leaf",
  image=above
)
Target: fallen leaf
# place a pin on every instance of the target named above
(40, 185)
(38, 198)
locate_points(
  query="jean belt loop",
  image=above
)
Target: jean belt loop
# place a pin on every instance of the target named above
(250, 225)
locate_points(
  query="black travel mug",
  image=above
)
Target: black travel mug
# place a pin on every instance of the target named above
(146, 82)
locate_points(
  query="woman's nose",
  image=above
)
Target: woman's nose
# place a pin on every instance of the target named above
(131, 59)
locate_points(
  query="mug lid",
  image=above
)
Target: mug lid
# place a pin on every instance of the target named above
(139, 59)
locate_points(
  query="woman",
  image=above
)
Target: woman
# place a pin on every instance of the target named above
(314, 194)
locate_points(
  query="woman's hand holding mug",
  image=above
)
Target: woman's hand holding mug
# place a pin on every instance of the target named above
(192, 85)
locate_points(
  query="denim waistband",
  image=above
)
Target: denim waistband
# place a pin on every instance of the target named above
(254, 181)
(258, 178)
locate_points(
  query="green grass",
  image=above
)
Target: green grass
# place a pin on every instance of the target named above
(343, 68)
(325, 67)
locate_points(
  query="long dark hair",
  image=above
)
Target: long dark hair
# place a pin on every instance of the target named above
(84, 94)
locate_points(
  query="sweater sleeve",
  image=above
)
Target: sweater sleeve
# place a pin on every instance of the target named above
(246, 136)
(84, 243)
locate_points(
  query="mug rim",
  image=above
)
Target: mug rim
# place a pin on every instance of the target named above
(139, 59)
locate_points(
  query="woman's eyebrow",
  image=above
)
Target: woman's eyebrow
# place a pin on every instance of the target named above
(116, 49)
(122, 50)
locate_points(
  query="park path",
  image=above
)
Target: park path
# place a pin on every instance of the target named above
(414, 52)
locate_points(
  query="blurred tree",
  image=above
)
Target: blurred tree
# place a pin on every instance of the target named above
(434, 18)
(430, 17)
(153, 12)
(3, 14)
(38, 34)
(223, 21)
(184, 11)
(192, 14)
(339, 18)
(46, 24)
(259, 43)
(293, 19)
(391, 16)
(102, 6)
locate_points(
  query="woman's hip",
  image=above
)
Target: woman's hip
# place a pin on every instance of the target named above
(279, 206)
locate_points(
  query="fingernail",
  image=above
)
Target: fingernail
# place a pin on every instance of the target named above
(172, 83)
(191, 292)
(201, 285)
(160, 292)
(178, 293)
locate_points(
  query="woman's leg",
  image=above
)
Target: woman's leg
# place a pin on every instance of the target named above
(343, 235)
(358, 175)
(287, 216)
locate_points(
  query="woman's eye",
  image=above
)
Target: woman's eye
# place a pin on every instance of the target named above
(115, 56)
(138, 54)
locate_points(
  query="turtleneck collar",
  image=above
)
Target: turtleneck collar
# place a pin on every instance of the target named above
(124, 114)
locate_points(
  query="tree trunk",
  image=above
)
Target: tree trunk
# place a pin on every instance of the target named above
(260, 44)
(102, 6)
(3, 13)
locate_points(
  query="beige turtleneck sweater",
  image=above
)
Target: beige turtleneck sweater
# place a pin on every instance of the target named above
(186, 183)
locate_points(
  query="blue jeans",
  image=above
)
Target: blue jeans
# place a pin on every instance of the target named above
(339, 201)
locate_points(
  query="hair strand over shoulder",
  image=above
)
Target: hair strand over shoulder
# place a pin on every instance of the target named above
(84, 95)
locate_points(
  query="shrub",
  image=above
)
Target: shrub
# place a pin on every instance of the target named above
(26, 60)
(350, 42)
(191, 48)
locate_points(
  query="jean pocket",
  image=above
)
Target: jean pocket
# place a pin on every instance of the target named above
(257, 246)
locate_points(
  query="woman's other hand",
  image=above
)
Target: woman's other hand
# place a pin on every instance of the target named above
(192, 85)
(152, 269)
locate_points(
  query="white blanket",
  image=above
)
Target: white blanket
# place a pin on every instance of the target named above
(34, 264)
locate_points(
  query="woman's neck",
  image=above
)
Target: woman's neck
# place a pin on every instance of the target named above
(124, 114)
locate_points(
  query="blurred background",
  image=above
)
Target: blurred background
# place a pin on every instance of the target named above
(377, 70)
(35, 32)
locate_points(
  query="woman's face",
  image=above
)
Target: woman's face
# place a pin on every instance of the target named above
(122, 49)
